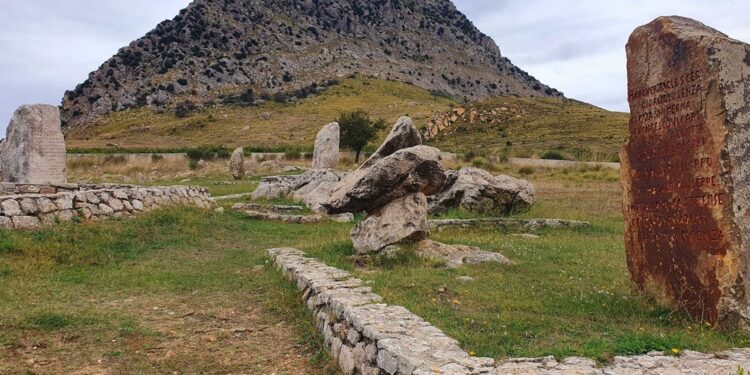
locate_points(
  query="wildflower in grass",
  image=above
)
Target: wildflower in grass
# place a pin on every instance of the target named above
(675, 351)
(456, 302)
(472, 353)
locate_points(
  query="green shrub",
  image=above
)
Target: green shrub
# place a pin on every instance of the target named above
(479, 162)
(155, 158)
(292, 155)
(553, 155)
(115, 159)
(209, 153)
(526, 171)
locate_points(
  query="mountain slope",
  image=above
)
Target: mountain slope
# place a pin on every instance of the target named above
(258, 48)
(529, 125)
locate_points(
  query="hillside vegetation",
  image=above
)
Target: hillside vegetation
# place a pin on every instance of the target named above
(531, 127)
(535, 126)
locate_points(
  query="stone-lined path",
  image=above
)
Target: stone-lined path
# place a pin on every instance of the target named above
(367, 336)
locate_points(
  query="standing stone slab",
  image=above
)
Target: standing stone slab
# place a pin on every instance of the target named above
(326, 152)
(686, 169)
(34, 149)
(237, 164)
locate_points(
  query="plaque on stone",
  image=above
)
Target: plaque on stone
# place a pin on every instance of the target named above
(34, 150)
(686, 169)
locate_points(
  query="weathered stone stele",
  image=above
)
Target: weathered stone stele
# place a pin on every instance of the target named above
(34, 149)
(237, 164)
(326, 152)
(686, 169)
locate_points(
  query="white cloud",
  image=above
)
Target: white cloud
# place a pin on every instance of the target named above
(47, 47)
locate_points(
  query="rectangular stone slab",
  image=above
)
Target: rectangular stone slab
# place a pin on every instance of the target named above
(685, 169)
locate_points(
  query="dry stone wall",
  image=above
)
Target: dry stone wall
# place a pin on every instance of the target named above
(39, 205)
(368, 337)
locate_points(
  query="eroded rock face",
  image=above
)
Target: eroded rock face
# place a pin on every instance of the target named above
(401, 221)
(405, 172)
(403, 135)
(237, 164)
(686, 173)
(315, 186)
(34, 149)
(326, 152)
(479, 191)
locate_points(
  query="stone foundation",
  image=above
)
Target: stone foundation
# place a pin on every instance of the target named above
(32, 206)
(366, 336)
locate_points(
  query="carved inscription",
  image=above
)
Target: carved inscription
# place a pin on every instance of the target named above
(676, 189)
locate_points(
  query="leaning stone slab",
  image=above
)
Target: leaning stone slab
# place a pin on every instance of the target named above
(403, 135)
(408, 171)
(33, 151)
(686, 169)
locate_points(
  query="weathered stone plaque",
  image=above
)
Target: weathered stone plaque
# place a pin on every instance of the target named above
(34, 149)
(686, 169)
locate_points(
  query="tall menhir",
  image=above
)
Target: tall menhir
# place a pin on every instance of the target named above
(686, 173)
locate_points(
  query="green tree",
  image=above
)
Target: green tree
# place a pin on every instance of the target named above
(357, 130)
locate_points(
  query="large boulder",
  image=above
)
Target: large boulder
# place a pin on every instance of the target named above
(403, 135)
(326, 153)
(237, 164)
(34, 149)
(315, 186)
(401, 221)
(405, 172)
(479, 191)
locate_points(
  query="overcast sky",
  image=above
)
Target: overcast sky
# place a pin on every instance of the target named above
(49, 46)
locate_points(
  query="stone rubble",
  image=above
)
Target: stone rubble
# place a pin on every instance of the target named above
(266, 208)
(29, 211)
(456, 256)
(366, 336)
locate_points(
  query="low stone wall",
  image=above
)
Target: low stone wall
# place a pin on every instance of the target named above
(504, 223)
(368, 337)
(52, 204)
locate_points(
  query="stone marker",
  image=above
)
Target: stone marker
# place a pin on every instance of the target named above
(326, 152)
(686, 169)
(237, 164)
(34, 149)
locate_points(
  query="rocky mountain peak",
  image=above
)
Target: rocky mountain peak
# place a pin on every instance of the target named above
(246, 49)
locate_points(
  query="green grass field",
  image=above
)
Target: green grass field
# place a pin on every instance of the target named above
(185, 290)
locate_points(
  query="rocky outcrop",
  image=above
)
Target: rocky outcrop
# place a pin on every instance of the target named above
(507, 224)
(34, 150)
(273, 187)
(237, 164)
(215, 47)
(314, 187)
(326, 152)
(401, 221)
(477, 190)
(405, 172)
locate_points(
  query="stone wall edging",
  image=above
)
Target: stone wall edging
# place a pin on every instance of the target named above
(93, 202)
(366, 336)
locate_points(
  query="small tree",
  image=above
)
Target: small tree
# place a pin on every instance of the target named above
(357, 130)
